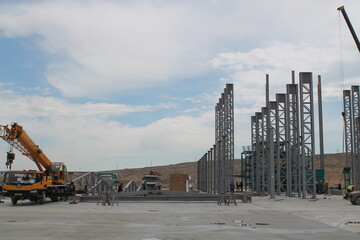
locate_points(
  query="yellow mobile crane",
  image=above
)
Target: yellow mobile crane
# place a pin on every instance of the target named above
(49, 181)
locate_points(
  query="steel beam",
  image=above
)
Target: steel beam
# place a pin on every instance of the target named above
(292, 139)
(307, 167)
(321, 131)
(281, 142)
(355, 104)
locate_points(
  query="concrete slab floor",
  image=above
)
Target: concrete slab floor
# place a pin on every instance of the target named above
(282, 218)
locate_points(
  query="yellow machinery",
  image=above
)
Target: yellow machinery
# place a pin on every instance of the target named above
(49, 181)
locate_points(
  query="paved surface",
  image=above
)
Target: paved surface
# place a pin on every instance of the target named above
(283, 218)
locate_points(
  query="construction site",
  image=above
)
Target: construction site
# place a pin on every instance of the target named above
(278, 187)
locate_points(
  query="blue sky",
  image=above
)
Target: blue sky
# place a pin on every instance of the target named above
(101, 84)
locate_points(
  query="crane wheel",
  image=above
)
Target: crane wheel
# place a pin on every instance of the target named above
(54, 199)
(14, 200)
(357, 201)
(42, 198)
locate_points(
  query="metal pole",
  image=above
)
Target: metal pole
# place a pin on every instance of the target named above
(271, 164)
(321, 131)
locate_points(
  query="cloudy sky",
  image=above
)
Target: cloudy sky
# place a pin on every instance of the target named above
(121, 84)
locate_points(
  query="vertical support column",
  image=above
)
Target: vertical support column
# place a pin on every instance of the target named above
(281, 142)
(214, 169)
(228, 134)
(219, 168)
(198, 175)
(264, 150)
(357, 134)
(258, 116)
(254, 143)
(321, 129)
(273, 148)
(292, 139)
(307, 168)
(355, 114)
(210, 170)
(271, 163)
(222, 145)
(348, 130)
(224, 187)
(217, 148)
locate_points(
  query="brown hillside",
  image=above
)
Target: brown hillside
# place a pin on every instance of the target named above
(334, 164)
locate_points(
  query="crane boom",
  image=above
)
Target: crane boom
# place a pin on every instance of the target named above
(347, 20)
(18, 138)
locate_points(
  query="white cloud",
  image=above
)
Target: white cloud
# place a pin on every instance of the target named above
(98, 48)
(84, 136)
(248, 69)
(102, 47)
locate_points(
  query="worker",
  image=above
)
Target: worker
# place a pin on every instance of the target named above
(120, 187)
(326, 188)
(237, 186)
(232, 187)
(241, 185)
(321, 187)
(349, 189)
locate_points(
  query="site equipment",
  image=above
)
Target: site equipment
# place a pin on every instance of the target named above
(151, 181)
(50, 181)
(354, 197)
(347, 20)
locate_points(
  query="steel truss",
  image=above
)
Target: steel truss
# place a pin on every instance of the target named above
(254, 186)
(307, 168)
(351, 101)
(292, 139)
(355, 115)
(280, 152)
(347, 127)
(264, 150)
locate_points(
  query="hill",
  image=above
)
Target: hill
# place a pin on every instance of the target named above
(334, 164)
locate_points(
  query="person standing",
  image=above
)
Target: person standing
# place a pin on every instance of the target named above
(326, 188)
(120, 188)
(232, 187)
(237, 186)
(241, 185)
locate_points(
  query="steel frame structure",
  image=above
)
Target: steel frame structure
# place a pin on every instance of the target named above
(254, 141)
(307, 168)
(258, 171)
(351, 103)
(292, 139)
(280, 143)
(355, 105)
(93, 183)
(264, 150)
(347, 127)
(283, 141)
(216, 167)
